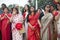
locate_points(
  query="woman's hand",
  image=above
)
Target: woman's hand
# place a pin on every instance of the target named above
(5, 14)
(32, 27)
(13, 29)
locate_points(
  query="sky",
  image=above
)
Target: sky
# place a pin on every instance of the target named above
(19, 2)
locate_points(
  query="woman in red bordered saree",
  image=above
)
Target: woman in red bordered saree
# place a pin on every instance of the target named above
(33, 26)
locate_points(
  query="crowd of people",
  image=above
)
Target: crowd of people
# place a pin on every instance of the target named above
(30, 24)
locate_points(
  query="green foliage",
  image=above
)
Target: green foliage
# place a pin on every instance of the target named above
(42, 3)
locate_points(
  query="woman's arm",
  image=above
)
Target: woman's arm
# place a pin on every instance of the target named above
(39, 23)
(11, 19)
(2, 17)
(8, 17)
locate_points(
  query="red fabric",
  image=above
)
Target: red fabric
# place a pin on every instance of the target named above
(24, 14)
(55, 13)
(32, 34)
(6, 32)
(0, 25)
(55, 2)
(19, 26)
(37, 15)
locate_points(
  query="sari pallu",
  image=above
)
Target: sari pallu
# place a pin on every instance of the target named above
(37, 31)
(34, 34)
(46, 30)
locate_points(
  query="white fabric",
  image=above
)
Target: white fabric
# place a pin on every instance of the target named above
(26, 14)
(15, 33)
(45, 20)
(45, 35)
(58, 27)
(26, 24)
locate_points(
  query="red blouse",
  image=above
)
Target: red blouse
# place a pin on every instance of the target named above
(33, 20)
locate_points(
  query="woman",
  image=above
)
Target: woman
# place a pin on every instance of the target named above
(33, 26)
(5, 25)
(16, 20)
(54, 32)
(57, 18)
(46, 24)
(25, 13)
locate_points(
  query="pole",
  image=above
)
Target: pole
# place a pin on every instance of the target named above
(36, 5)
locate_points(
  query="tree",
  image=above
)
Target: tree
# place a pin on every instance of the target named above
(42, 3)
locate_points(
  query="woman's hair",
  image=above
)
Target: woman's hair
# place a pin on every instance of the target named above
(38, 9)
(6, 8)
(30, 13)
(4, 5)
(46, 5)
(23, 10)
(15, 9)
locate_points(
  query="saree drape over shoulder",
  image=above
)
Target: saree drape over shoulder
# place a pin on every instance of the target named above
(46, 26)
